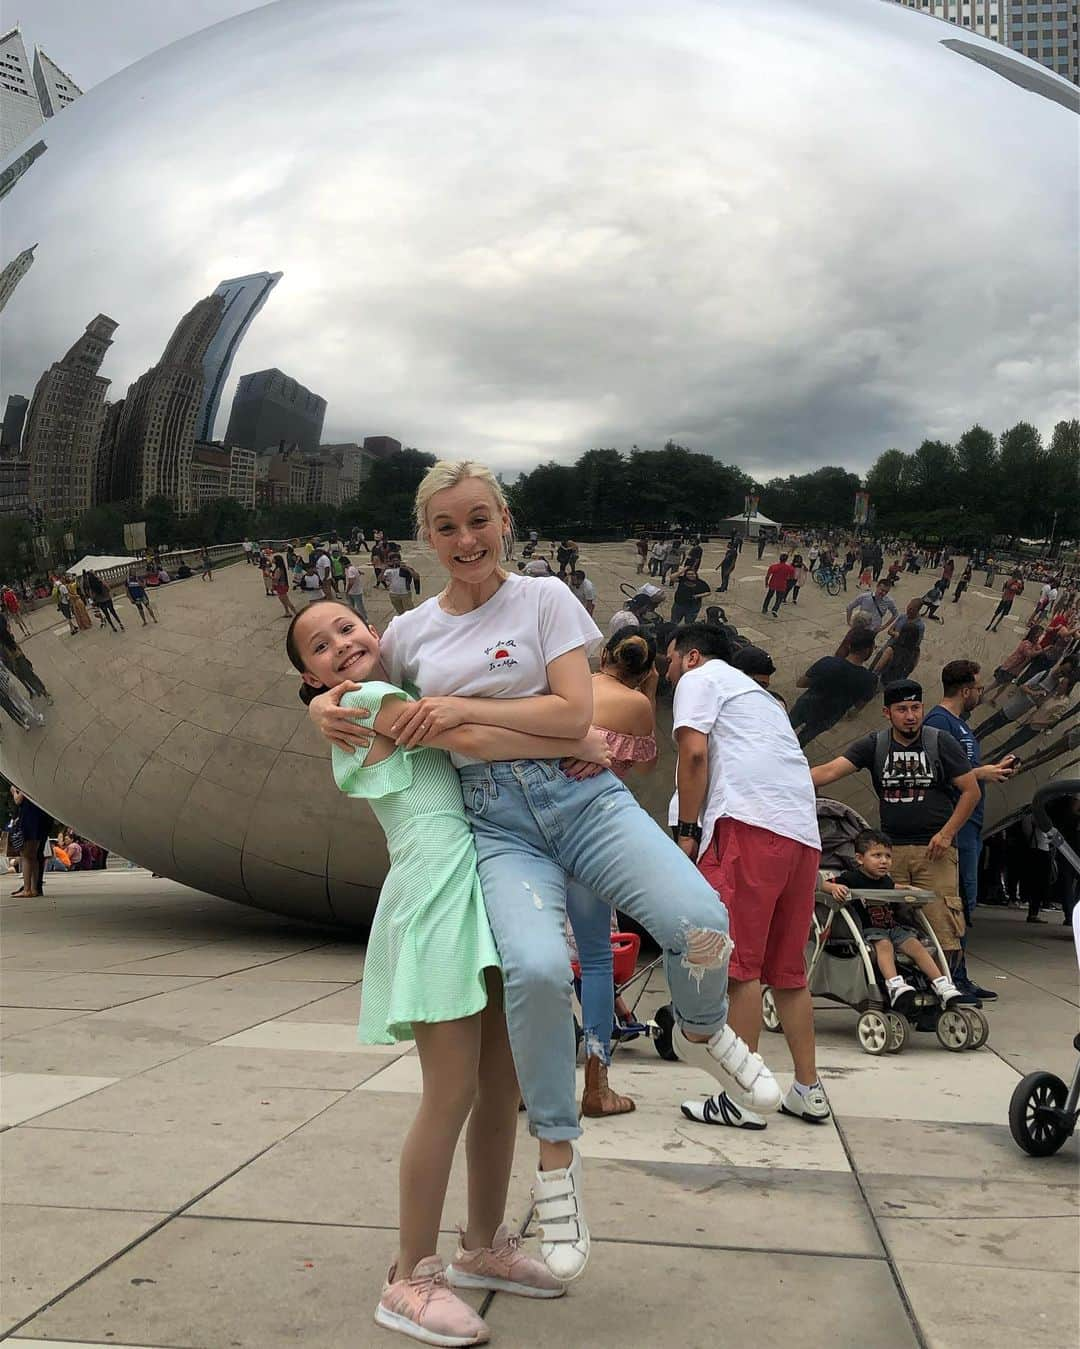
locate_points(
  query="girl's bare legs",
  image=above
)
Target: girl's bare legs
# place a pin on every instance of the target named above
(449, 1059)
(489, 1143)
(286, 604)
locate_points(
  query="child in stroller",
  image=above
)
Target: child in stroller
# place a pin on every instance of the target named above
(840, 955)
(890, 929)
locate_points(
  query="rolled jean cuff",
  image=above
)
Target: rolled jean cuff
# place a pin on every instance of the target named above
(555, 1133)
(695, 1029)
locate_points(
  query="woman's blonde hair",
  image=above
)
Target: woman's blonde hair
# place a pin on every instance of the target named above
(448, 473)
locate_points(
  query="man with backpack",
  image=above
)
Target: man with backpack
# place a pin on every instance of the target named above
(927, 791)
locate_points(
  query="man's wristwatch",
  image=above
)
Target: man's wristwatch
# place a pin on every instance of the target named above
(688, 829)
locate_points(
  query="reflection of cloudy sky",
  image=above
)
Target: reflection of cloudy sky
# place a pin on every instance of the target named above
(792, 236)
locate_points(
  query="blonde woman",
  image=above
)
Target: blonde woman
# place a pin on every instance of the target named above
(501, 649)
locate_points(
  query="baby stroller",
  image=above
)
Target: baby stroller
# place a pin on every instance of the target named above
(625, 949)
(17, 701)
(1043, 1112)
(841, 968)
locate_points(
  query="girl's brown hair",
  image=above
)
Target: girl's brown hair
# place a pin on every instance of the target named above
(292, 650)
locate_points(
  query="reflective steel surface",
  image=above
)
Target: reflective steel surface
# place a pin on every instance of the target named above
(511, 230)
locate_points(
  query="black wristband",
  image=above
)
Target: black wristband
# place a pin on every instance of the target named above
(689, 829)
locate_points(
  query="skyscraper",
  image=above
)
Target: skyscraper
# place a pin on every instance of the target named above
(156, 433)
(20, 109)
(13, 273)
(270, 408)
(14, 417)
(105, 467)
(244, 296)
(55, 87)
(63, 424)
(1045, 30)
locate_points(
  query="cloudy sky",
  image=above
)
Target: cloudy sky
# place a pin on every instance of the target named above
(504, 234)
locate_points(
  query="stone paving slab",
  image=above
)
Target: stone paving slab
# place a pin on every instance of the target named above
(26, 1095)
(48, 1249)
(976, 1307)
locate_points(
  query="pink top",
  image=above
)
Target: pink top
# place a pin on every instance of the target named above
(627, 750)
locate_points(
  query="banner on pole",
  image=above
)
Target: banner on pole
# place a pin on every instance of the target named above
(750, 505)
(862, 507)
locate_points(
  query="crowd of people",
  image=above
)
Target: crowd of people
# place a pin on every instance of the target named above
(33, 844)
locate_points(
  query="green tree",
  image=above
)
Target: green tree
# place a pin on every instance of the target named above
(885, 483)
(159, 514)
(1063, 474)
(391, 487)
(101, 528)
(1021, 473)
(16, 548)
(977, 463)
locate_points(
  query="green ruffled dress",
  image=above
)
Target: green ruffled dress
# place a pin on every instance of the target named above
(430, 942)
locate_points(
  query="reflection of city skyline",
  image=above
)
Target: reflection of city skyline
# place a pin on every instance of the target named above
(80, 450)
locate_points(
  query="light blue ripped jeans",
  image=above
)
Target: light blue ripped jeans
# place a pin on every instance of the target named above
(534, 827)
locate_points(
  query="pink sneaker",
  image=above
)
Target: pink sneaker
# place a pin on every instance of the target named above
(424, 1307)
(504, 1267)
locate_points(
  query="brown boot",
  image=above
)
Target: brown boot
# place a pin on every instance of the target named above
(598, 1099)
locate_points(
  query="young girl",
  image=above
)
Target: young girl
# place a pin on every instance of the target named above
(279, 581)
(624, 712)
(432, 974)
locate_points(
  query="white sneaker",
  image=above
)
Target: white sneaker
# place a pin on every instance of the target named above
(812, 1107)
(946, 990)
(564, 1236)
(742, 1075)
(721, 1109)
(901, 996)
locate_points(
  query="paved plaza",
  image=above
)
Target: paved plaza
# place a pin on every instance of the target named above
(198, 1155)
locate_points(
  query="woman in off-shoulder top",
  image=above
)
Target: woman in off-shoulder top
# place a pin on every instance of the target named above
(624, 709)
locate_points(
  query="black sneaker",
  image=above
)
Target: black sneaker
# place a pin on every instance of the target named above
(982, 994)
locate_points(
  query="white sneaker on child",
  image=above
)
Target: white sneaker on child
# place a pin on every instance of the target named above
(721, 1109)
(946, 990)
(901, 995)
(811, 1105)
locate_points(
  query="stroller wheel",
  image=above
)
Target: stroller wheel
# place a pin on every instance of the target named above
(873, 1032)
(898, 1032)
(980, 1027)
(665, 1024)
(770, 1017)
(1033, 1119)
(954, 1031)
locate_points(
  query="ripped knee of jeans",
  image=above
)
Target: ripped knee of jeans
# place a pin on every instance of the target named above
(705, 950)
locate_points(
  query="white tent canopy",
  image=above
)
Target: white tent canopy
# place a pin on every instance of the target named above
(756, 522)
(92, 563)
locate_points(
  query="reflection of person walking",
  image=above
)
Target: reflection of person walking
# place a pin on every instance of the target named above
(280, 583)
(207, 566)
(760, 545)
(138, 596)
(99, 593)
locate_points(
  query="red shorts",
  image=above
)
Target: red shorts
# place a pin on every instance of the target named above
(767, 882)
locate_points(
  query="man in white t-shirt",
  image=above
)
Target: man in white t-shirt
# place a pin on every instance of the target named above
(744, 809)
(400, 582)
(324, 570)
(538, 566)
(584, 590)
(354, 589)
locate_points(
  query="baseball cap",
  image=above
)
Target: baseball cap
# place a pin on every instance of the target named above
(902, 691)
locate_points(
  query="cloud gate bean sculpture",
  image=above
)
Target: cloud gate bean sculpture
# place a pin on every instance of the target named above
(510, 231)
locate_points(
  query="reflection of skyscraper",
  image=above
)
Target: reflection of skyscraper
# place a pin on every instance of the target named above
(14, 417)
(55, 87)
(63, 424)
(14, 272)
(11, 173)
(270, 407)
(105, 467)
(156, 433)
(20, 110)
(244, 296)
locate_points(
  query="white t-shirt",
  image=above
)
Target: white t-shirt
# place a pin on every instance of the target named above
(586, 592)
(322, 566)
(538, 567)
(397, 581)
(622, 618)
(757, 772)
(354, 582)
(309, 582)
(501, 650)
